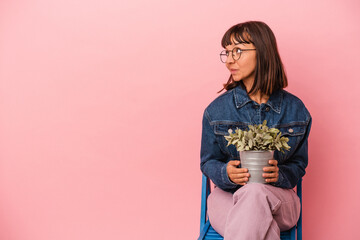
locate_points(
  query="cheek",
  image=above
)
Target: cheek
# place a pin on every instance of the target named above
(253, 63)
(240, 65)
(248, 65)
(243, 66)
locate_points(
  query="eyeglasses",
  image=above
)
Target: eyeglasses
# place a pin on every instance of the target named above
(236, 54)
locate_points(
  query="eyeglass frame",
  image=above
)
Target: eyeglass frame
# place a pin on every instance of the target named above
(232, 54)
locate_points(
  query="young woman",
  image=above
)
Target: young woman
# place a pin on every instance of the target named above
(254, 93)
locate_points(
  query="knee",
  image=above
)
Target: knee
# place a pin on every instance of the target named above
(250, 191)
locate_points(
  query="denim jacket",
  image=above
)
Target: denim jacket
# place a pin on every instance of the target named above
(234, 109)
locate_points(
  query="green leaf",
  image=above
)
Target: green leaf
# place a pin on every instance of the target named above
(250, 143)
(257, 137)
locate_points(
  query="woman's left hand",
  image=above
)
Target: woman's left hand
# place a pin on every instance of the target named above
(271, 173)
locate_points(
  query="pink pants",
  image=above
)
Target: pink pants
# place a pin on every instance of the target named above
(254, 212)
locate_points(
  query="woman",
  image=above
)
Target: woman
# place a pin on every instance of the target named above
(254, 93)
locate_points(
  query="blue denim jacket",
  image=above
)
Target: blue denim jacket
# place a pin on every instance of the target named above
(234, 109)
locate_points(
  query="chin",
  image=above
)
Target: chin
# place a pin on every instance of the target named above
(236, 78)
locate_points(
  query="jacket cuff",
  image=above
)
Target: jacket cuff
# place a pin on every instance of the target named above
(226, 179)
(279, 181)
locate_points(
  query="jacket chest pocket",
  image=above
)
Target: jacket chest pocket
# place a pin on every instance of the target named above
(221, 130)
(295, 133)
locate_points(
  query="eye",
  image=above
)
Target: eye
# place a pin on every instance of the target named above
(237, 50)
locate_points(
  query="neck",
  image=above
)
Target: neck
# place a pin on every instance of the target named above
(258, 96)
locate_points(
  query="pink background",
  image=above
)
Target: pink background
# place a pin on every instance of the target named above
(101, 105)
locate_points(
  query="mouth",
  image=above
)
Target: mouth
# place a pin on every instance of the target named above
(233, 70)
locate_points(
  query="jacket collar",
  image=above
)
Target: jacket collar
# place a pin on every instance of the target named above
(242, 98)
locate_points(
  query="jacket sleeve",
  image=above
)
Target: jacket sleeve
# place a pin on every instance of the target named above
(294, 168)
(213, 160)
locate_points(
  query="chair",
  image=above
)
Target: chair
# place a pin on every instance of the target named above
(208, 233)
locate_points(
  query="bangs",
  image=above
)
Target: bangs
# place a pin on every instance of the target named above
(239, 33)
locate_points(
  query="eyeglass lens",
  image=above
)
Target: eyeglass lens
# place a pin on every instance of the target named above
(236, 53)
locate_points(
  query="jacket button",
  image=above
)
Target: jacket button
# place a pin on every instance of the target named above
(291, 130)
(256, 106)
(267, 109)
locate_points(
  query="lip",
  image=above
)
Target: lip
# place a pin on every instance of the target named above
(233, 70)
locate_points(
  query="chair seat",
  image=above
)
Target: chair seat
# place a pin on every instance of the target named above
(213, 235)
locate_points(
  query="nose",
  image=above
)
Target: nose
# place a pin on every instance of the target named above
(229, 59)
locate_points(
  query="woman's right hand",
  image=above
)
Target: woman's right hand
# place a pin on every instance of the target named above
(237, 175)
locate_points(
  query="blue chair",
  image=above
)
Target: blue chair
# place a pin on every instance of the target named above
(208, 233)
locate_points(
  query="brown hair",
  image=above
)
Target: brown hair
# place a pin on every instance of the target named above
(269, 72)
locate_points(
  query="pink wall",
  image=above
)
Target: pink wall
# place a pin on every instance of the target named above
(101, 105)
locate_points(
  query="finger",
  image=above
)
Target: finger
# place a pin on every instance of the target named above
(273, 162)
(271, 169)
(234, 163)
(268, 180)
(235, 170)
(270, 175)
(240, 170)
(241, 180)
(240, 175)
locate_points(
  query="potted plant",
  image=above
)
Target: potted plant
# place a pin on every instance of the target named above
(256, 147)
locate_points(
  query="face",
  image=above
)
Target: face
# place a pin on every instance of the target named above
(244, 67)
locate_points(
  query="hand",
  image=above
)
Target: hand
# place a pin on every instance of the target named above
(271, 173)
(237, 175)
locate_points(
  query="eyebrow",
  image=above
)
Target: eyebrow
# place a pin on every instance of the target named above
(238, 44)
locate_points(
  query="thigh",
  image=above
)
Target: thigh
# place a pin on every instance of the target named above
(287, 212)
(219, 204)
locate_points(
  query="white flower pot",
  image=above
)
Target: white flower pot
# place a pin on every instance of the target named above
(255, 161)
